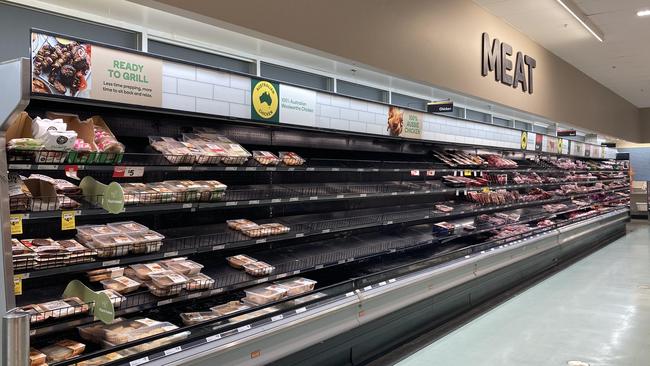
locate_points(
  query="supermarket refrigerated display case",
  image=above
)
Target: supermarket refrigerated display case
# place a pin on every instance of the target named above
(394, 224)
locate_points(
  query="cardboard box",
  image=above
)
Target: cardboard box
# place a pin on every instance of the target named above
(22, 128)
(44, 196)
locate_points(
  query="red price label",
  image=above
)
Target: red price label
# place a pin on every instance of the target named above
(71, 171)
(415, 173)
(431, 173)
(128, 171)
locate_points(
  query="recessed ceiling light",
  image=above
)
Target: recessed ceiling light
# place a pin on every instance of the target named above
(643, 13)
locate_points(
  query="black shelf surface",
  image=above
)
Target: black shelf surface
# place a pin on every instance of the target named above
(280, 194)
(155, 162)
(209, 238)
(289, 261)
(368, 277)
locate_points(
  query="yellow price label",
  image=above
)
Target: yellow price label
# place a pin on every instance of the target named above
(67, 220)
(486, 189)
(16, 221)
(18, 286)
(467, 173)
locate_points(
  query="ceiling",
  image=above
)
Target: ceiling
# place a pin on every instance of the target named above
(621, 62)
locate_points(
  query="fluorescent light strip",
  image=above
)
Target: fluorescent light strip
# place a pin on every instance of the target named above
(643, 13)
(561, 2)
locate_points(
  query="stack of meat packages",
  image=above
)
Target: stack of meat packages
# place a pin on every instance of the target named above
(536, 194)
(459, 158)
(500, 162)
(499, 197)
(566, 163)
(457, 181)
(531, 178)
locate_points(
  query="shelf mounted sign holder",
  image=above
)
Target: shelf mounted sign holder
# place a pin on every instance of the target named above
(102, 307)
(109, 196)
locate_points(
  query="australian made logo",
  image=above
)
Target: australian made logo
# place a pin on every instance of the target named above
(264, 100)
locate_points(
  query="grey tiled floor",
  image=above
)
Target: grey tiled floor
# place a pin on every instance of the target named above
(596, 311)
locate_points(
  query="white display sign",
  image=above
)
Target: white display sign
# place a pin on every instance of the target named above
(297, 106)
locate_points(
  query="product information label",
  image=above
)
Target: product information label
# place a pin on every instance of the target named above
(16, 221)
(297, 106)
(68, 220)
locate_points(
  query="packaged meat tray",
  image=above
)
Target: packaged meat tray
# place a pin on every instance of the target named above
(211, 190)
(116, 298)
(173, 150)
(255, 231)
(229, 308)
(238, 261)
(86, 233)
(63, 308)
(163, 193)
(259, 269)
(198, 317)
(36, 357)
(265, 294)
(36, 313)
(266, 158)
(143, 271)
(98, 331)
(140, 193)
(78, 251)
(275, 228)
(112, 245)
(199, 281)
(63, 350)
(122, 284)
(168, 279)
(128, 227)
(444, 208)
(296, 286)
(184, 190)
(146, 241)
(105, 274)
(239, 223)
(22, 256)
(119, 332)
(145, 332)
(291, 158)
(182, 265)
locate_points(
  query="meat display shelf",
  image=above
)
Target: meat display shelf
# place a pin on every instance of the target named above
(220, 330)
(193, 240)
(288, 262)
(269, 195)
(403, 168)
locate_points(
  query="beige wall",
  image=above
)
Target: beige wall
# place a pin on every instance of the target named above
(435, 42)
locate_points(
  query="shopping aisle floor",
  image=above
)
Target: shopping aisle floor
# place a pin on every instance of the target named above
(596, 311)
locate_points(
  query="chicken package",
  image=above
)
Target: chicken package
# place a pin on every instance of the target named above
(265, 294)
(296, 286)
(63, 350)
(240, 260)
(121, 284)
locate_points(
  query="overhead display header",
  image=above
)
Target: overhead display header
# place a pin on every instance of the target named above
(69, 68)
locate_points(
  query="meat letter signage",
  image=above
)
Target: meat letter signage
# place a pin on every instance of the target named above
(497, 58)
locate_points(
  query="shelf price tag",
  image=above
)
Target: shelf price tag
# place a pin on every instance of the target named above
(18, 285)
(67, 220)
(71, 171)
(431, 173)
(486, 189)
(467, 173)
(415, 173)
(128, 171)
(16, 221)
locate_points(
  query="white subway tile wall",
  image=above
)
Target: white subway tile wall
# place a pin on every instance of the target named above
(196, 89)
